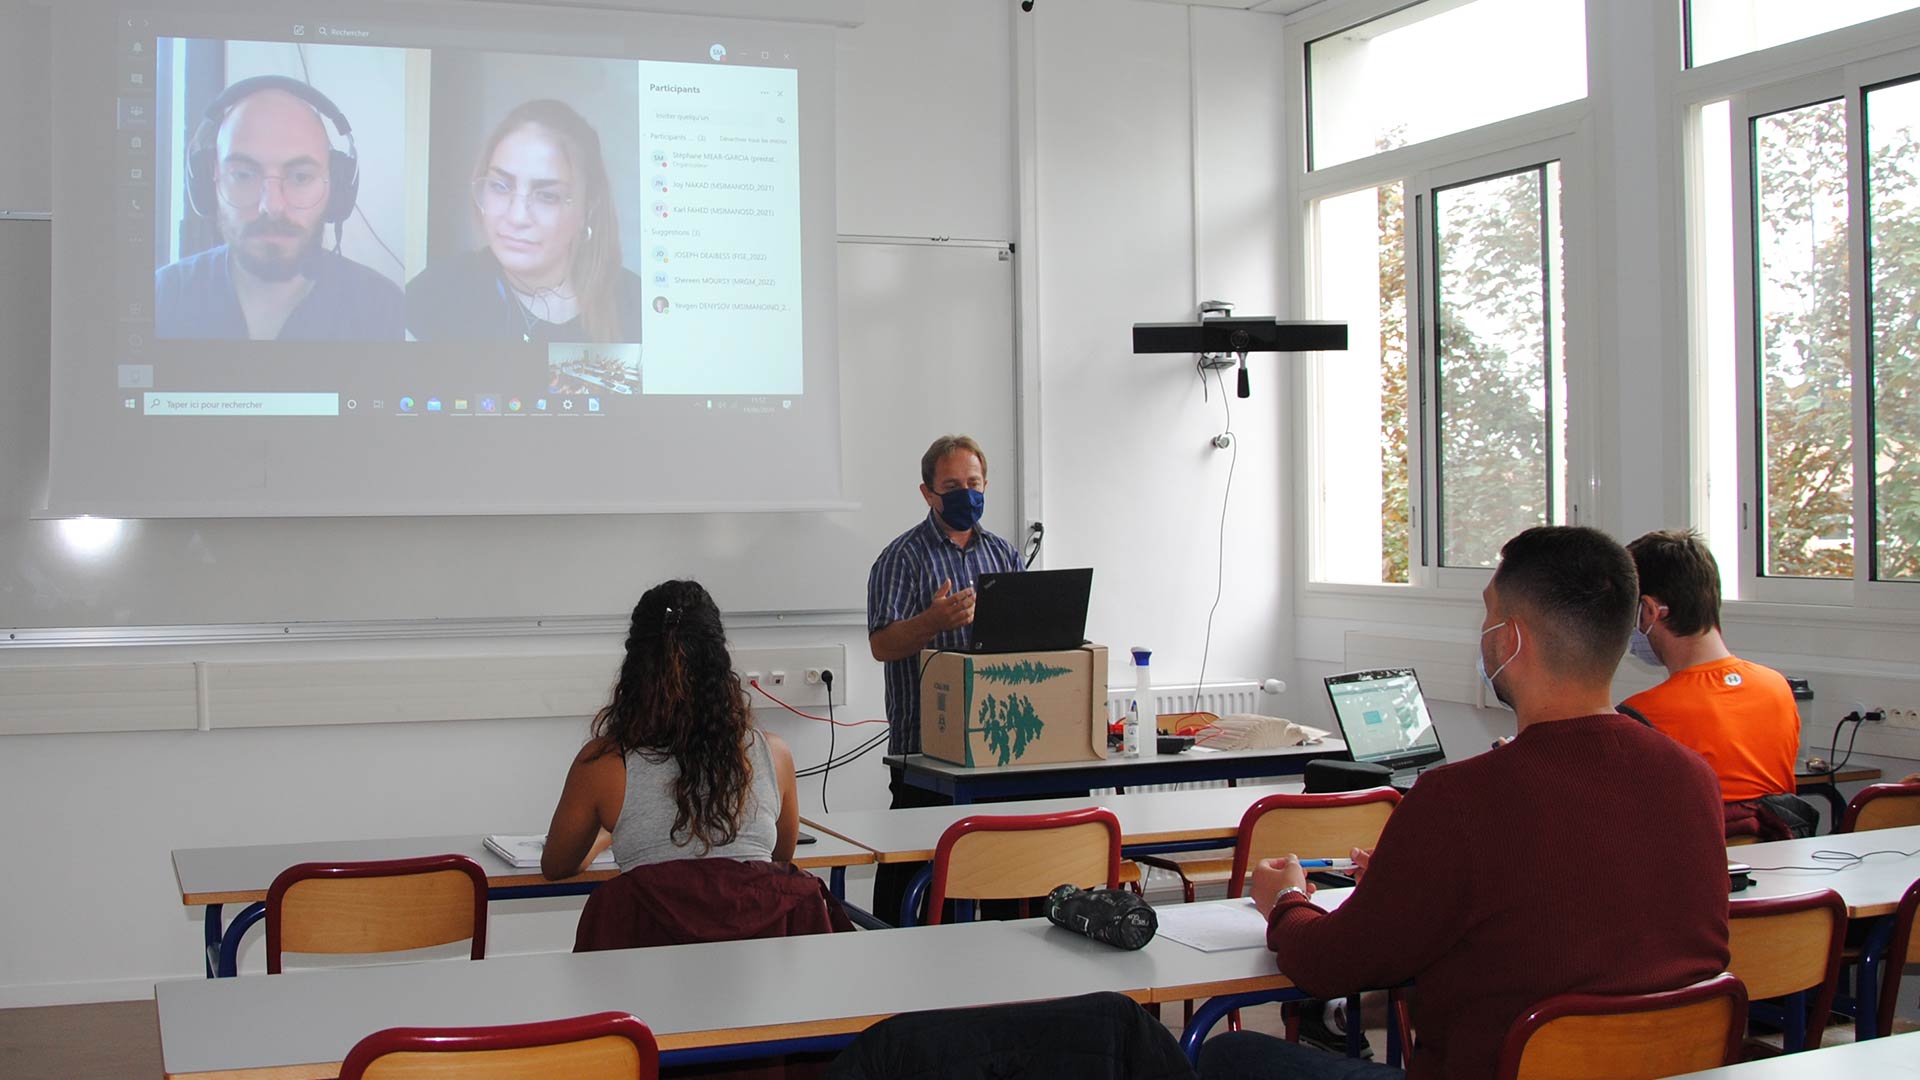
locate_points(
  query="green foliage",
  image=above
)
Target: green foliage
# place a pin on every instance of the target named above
(1894, 262)
(1495, 355)
(1396, 519)
(1805, 306)
(1024, 672)
(1010, 725)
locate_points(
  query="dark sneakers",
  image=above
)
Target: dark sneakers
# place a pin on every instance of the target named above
(1316, 1032)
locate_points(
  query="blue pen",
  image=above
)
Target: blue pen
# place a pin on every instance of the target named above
(1336, 865)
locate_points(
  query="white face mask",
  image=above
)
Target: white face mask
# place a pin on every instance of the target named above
(1480, 662)
(1640, 644)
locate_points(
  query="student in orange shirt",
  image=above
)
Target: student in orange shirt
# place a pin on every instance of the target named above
(1737, 715)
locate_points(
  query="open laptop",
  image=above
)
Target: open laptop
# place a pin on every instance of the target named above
(1035, 611)
(1383, 718)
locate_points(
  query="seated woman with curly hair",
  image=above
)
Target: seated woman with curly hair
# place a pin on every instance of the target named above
(675, 768)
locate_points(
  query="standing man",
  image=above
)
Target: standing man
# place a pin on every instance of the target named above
(1510, 877)
(920, 596)
(1738, 715)
(262, 166)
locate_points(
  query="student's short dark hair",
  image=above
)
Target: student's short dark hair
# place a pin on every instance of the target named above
(1580, 587)
(944, 445)
(1678, 569)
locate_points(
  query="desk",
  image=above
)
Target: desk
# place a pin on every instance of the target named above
(1895, 1058)
(242, 875)
(720, 1001)
(1871, 890)
(1205, 818)
(1825, 785)
(966, 785)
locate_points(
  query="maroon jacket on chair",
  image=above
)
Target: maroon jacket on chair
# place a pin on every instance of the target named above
(691, 900)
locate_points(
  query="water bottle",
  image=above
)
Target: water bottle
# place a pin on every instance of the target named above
(1145, 721)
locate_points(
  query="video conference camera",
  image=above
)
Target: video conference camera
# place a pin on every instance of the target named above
(1216, 336)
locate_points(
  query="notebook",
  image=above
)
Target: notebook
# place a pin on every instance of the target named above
(1383, 718)
(1034, 611)
(523, 852)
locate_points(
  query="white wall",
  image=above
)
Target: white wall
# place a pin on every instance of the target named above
(928, 147)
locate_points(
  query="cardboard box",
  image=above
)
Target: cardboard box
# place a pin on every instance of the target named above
(1030, 708)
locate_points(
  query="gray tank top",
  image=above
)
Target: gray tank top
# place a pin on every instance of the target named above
(643, 833)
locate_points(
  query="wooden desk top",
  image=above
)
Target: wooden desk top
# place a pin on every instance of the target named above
(292, 1027)
(1146, 817)
(232, 875)
(1872, 886)
(1894, 1058)
(1843, 776)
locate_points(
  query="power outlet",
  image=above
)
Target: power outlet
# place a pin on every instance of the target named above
(793, 674)
(776, 678)
(812, 676)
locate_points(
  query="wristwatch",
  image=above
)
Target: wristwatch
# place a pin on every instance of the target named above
(1304, 895)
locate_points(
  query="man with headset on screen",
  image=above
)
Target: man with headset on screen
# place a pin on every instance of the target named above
(261, 164)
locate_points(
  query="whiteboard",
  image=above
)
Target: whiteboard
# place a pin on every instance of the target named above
(927, 337)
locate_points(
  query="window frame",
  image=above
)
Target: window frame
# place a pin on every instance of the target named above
(1559, 133)
(1842, 65)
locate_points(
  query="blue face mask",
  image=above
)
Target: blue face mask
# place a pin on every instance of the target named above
(1641, 645)
(961, 508)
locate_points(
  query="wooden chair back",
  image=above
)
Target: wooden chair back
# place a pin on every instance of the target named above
(604, 1046)
(1628, 1036)
(1882, 806)
(1311, 826)
(1786, 944)
(1008, 856)
(370, 907)
(1902, 949)
(1742, 840)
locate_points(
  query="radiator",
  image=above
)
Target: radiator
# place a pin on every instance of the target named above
(1220, 699)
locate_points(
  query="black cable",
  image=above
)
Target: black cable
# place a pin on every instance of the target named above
(1220, 569)
(852, 755)
(1847, 860)
(826, 676)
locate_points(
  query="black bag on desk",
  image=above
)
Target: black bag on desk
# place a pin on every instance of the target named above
(1114, 916)
(1325, 776)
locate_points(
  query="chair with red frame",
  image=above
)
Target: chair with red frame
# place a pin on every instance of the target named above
(604, 1046)
(1902, 949)
(1326, 825)
(1882, 806)
(1018, 856)
(1628, 1036)
(382, 906)
(1789, 947)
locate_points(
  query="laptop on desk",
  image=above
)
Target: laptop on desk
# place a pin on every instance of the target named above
(1383, 718)
(1034, 611)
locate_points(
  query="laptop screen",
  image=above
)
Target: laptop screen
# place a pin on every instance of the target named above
(1383, 716)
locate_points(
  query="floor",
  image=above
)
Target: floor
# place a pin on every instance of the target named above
(121, 1040)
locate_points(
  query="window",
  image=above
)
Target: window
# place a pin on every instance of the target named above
(1437, 68)
(1893, 282)
(1807, 241)
(1718, 29)
(1453, 391)
(1500, 396)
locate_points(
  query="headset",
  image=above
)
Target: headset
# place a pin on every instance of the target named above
(343, 166)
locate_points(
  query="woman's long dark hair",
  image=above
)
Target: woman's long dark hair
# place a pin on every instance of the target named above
(596, 254)
(678, 697)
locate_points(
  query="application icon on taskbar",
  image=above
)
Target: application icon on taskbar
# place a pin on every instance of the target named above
(513, 404)
(406, 404)
(489, 404)
(593, 404)
(433, 404)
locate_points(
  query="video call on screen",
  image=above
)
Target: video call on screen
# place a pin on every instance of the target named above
(356, 220)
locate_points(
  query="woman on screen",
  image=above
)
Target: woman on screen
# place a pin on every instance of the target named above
(676, 768)
(550, 270)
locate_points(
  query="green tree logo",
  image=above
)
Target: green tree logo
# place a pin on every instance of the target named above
(1025, 672)
(1010, 725)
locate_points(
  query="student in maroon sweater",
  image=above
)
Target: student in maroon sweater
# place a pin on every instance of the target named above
(1522, 873)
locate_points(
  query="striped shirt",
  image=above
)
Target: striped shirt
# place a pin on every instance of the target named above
(902, 584)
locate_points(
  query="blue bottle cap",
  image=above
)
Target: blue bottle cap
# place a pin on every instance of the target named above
(1140, 655)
